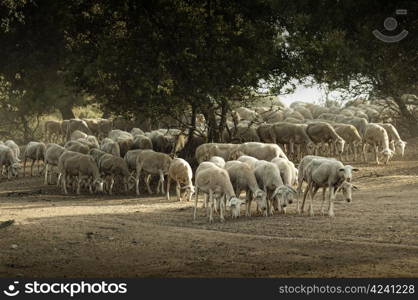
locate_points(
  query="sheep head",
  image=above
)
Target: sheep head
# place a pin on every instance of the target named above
(347, 188)
(260, 197)
(400, 147)
(234, 204)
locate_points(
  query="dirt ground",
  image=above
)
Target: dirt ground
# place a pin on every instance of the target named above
(124, 236)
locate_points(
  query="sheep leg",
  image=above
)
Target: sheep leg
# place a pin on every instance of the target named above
(167, 196)
(323, 201)
(46, 174)
(195, 204)
(147, 179)
(376, 153)
(31, 168)
(222, 208)
(79, 184)
(162, 182)
(248, 196)
(178, 191)
(64, 184)
(266, 213)
(211, 206)
(305, 193)
(331, 201)
(138, 173)
(112, 183)
(364, 152)
(311, 196)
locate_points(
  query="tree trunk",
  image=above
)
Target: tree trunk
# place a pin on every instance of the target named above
(66, 111)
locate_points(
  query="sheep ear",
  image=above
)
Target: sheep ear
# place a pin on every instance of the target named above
(355, 188)
(341, 169)
(292, 189)
(356, 169)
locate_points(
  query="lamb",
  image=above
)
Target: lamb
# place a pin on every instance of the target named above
(141, 142)
(321, 132)
(205, 151)
(396, 144)
(112, 166)
(243, 179)
(258, 150)
(15, 148)
(153, 163)
(52, 154)
(268, 177)
(217, 160)
(291, 134)
(326, 173)
(36, 152)
(215, 182)
(351, 136)
(111, 148)
(377, 136)
(181, 172)
(80, 165)
(52, 130)
(9, 160)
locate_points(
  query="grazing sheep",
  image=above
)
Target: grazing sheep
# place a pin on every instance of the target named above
(348, 171)
(181, 172)
(52, 130)
(359, 123)
(112, 166)
(396, 144)
(205, 151)
(377, 136)
(82, 166)
(243, 179)
(264, 133)
(77, 134)
(291, 134)
(15, 148)
(269, 179)
(215, 182)
(351, 136)
(321, 132)
(217, 160)
(152, 163)
(141, 142)
(324, 173)
(110, 147)
(36, 152)
(52, 155)
(9, 160)
(258, 150)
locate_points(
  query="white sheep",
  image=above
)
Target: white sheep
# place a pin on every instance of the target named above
(215, 182)
(243, 179)
(34, 151)
(181, 172)
(15, 148)
(205, 151)
(287, 170)
(396, 143)
(325, 173)
(260, 151)
(376, 136)
(81, 165)
(112, 166)
(249, 160)
(152, 163)
(110, 147)
(52, 155)
(8, 160)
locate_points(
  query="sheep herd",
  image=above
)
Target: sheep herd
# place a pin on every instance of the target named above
(262, 145)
